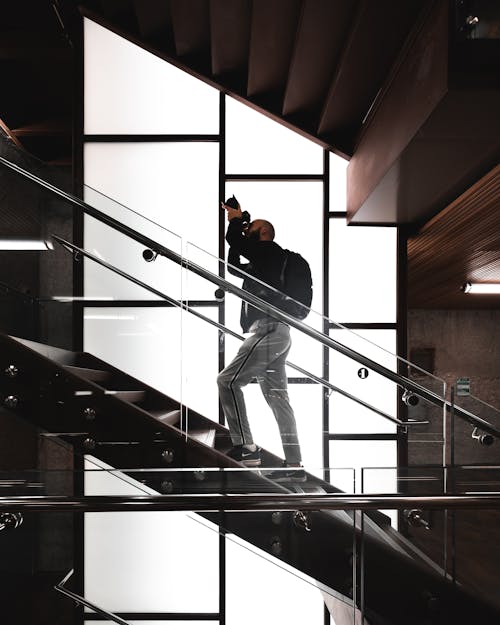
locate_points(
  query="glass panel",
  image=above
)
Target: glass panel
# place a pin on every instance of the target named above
(379, 345)
(156, 180)
(126, 254)
(362, 273)
(143, 342)
(130, 91)
(471, 443)
(305, 603)
(256, 144)
(338, 183)
(365, 453)
(146, 552)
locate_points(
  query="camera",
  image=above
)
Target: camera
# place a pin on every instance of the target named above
(232, 202)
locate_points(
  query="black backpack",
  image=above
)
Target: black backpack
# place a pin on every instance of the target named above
(296, 283)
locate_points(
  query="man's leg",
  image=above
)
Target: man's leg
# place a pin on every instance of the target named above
(250, 361)
(273, 383)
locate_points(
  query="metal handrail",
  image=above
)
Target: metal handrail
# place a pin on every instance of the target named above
(81, 600)
(71, 247)
(273, 311)
(248, 502)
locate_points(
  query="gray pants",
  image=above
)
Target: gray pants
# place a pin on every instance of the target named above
(262, 355)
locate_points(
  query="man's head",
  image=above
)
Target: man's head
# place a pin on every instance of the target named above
(260, 230)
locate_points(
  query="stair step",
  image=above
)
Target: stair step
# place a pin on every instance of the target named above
(170, 417)
(94, 375)
(131, 396)
(204, 435)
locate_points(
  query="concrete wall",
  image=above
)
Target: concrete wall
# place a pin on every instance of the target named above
(466, 344)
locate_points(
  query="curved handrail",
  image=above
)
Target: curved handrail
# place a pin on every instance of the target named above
(71, 247)
(402, 381)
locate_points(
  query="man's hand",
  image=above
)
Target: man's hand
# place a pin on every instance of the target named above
(232, 212)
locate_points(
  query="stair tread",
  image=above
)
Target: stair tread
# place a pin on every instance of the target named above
(95, 375)
(171, 417)
(132, 396)
(203, 435)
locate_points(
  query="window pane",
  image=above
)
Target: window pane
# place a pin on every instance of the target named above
(362, 273)
(146, 343)
(338, 181)
(284, 596)
(174, 184)
(347, 416)
(129, 91)
(256, 144)
(125, 254)
(359, 454)
(147, 561)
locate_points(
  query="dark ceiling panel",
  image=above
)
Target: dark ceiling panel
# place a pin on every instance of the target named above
(375, 39)
(323, 28)
(154, 21)
(460, 244)
(274, 27)
(190, 20)
(230, 35)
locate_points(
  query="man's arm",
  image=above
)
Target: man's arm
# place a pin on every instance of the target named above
(234, 237)
(238, 243)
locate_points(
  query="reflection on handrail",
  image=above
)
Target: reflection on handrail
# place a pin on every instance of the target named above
(108, 615)
(400, 380)
(249, 502)
(185, 306)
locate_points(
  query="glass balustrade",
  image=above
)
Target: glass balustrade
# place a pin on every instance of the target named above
(174, 323)
(152, 556)
(182, 563)
(457, 542)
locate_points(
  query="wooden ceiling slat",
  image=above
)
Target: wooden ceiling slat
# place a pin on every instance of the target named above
(460, 244)
(273, 32)
(368, 56)
(230, 35)
(154, 21)
(191, 25)
(322, 32)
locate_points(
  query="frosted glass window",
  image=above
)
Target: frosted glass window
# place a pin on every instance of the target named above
(296, 211)
(125, 254)
(359, 454)
(146, 343)
(129, 90)
(287, 597)
(349, 417)
(148, 561)
(377, 391)
(256, 144)
(338, 183)
(173, 184)
(363, 273)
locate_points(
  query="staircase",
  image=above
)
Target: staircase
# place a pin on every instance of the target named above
(104, 412)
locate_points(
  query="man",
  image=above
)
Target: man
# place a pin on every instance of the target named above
(263, 354)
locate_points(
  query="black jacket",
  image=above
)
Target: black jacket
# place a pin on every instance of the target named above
(266, 260)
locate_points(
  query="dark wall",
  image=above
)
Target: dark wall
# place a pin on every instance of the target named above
(464, 344)
(28, 280)
(461, 344)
